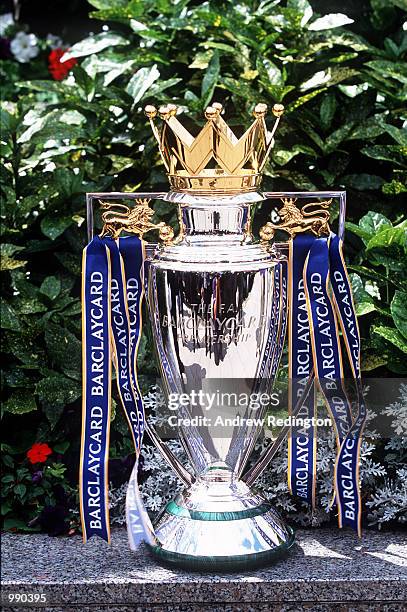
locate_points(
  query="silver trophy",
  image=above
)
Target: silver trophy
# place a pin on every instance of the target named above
(217, 302)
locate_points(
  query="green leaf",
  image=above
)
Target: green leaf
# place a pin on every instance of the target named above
(64, 349)
(20, 489)
(94, 44)
(373, 127)
(372, 222)
(142, 30)
(374, 275)
(9, 123)
(327, 110)
(16, 378)
(53, 412)
(85, 82)
(399, 135)
(351, 40)
(371, 360)
(57, 390)
(334, 140)
(202, 59)
(158, 87)
(363, 182)
(53, 226)
(322, 77)
(328, 22)
(140, 82)
(398, 308)
(282, 156)
(120, 163)
(388, 247)
(9, 263)
(107, 4)
(363, 300)
(51, 287)
(5, 508)
(68, 183)
(8, 460)
(7, 249)
(303, 8)
(61, 447)
(352, 90)
(387, 237)
(70, 261)
(8, 317)
(210, 79)
(391, 153)
(395, 70)
(20, 402)
(29, 306)
(391, 334)
(112, 67)
(272, 72)
(35, 127)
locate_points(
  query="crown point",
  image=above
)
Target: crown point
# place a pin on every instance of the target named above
(167, 111)
(218, 107)
(260, 110)
(277, 110)
(211, 112)
(172, 109)
(150, 111)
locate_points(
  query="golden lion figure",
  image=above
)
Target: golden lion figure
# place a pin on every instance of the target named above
(313, 217)
(135, 220)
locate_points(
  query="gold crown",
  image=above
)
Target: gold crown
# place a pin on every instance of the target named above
(215, 160)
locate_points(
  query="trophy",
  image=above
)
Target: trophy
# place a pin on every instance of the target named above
(217, 310)
(217, 301)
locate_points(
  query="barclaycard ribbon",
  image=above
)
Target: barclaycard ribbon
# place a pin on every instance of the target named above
(320, 299)
(112, 293)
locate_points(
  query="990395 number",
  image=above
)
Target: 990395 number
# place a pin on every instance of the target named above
(27, 598)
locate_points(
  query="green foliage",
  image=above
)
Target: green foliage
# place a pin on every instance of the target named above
(344, 86)
(380, 290)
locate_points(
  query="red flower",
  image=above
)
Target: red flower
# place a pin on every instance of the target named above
(38, 453)
(59, 69)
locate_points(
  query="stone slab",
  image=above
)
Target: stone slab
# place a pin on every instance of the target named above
(325, 568)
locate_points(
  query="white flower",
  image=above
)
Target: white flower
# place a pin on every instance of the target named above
(53, 41)
(24, 47)
(6, 21)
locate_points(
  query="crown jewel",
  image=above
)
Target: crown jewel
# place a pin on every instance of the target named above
(215, 160)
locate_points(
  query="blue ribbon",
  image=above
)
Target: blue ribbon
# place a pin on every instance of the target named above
(315, 344)
(302, 441)
(119, 268)
(343, 300)
(325, 341)
(93, 481)
(347, 465)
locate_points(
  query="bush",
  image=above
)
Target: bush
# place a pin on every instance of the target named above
(344, 88)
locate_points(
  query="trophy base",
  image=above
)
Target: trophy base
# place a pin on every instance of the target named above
(220, 526)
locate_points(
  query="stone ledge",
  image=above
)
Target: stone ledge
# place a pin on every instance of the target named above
(326, 567)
